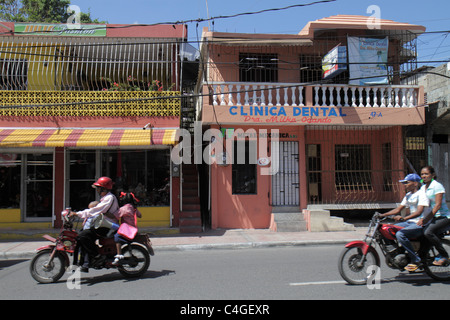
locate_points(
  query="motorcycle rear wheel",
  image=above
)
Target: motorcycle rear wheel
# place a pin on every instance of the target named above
(136, 261)
(352, 269)
(43, 272)
(440, 273)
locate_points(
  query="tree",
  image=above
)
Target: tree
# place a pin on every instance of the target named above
(49, 11)
(9, 9)
(86, 18)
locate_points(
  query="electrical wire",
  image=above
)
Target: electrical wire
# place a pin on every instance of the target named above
(284, 86)
(196, 20)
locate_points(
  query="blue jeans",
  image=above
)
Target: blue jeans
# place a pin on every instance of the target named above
(119, 239)
(434, 229)
(410, 231)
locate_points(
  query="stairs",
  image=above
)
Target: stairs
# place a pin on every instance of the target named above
(289, 219)
(190, 216)
(319, 220)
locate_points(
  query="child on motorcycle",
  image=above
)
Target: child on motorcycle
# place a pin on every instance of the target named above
(416, 202)
(127, 214)
(108, 206)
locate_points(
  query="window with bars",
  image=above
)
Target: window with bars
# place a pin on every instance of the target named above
(314, 171)
(257, 67)
(353, 167)
(310, 68)
(244, 170)
(387, 166)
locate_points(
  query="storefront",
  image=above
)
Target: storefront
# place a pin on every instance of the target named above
(325, 157)
(38, 182)
(73, 108)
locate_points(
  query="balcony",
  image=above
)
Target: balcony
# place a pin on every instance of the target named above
(90, 103)
(301, 94)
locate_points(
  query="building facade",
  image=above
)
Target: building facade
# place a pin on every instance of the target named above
(77, 104)
(436, 83)
(312, 120)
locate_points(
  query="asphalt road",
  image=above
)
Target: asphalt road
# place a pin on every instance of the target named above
(299, 273)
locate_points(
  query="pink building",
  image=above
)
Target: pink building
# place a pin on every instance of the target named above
(323, 114)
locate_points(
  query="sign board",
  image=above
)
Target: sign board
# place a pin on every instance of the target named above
(63, 30)
(334, 62)
(367, 58)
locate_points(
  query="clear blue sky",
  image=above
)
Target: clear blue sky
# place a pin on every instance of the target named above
(433, 14)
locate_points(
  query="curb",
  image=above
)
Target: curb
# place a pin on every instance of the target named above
(25, 255)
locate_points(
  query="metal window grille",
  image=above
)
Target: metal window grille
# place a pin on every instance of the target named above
(258, 67)
(352, 165)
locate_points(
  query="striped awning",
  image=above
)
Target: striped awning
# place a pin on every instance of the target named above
(51, 138)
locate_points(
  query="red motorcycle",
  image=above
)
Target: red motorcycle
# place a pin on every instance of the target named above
(359, 260)
(52, 260)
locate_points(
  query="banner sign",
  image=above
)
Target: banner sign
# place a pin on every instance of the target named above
(42, 29)
(334, 62)
(304, 115)
(367, 58)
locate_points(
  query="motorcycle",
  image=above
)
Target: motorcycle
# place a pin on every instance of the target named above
(51, 261)
(359, 260)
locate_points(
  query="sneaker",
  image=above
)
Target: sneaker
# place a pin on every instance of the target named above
(84, 269)
(117, 259)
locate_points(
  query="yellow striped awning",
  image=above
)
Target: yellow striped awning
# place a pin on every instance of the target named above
(50, 138)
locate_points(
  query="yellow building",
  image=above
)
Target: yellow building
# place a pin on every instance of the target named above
(79, 104)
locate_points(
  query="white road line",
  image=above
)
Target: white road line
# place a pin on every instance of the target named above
(316, 283)
(400, 277)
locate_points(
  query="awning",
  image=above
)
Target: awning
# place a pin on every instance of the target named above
(51, 138)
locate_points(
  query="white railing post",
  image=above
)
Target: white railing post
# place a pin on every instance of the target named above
(238, 96)
(300, 96)
(215, 95)
(278, 97)
(270, 96)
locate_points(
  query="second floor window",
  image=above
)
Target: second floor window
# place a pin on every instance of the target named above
(310, 68)
(257, 67)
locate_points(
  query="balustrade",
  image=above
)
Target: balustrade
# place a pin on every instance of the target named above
(290, 94)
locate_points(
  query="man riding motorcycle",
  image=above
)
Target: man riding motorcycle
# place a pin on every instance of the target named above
(109, 207)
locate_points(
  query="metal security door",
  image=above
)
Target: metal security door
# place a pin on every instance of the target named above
(285, 183)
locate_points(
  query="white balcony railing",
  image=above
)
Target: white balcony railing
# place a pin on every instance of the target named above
(290, 94)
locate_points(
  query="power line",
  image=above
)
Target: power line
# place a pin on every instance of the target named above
(284, 86)
(198, 20)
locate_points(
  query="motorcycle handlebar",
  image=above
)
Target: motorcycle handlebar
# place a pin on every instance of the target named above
(376, 217)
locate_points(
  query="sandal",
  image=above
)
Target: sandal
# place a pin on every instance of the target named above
(440, 262)
(412, 267)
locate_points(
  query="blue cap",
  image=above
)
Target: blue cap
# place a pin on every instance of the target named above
(411, 177)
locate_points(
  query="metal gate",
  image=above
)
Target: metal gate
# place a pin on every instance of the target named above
(285, 183)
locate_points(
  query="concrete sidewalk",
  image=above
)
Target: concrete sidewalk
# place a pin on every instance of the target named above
(212, 239)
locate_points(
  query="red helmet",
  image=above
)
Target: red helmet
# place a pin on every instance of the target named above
(104, 182)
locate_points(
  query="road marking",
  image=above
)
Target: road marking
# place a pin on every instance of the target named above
(316, 283)
(399, 278)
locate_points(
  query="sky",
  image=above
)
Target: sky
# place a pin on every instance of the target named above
(433, 48)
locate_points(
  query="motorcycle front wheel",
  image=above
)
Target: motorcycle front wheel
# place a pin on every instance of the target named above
(354, 268)
(44, 272)
(440, 273)
(135, 262)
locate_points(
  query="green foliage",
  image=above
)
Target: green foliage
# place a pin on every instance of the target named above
(46, 11)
